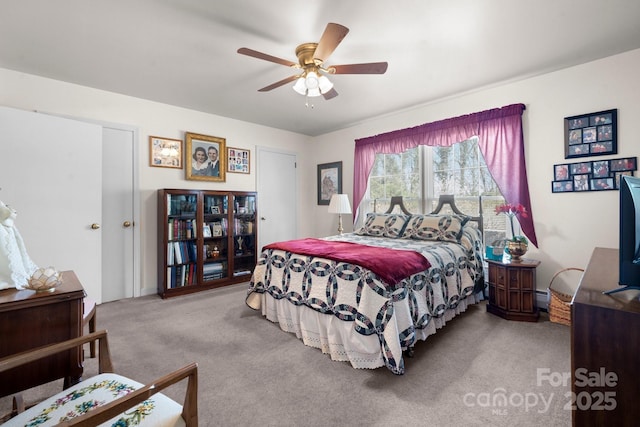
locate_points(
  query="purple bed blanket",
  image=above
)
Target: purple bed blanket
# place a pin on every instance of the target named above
(391, 265)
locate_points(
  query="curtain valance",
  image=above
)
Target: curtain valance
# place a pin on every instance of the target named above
(500, 139)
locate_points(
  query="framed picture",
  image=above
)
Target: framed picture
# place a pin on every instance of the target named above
(628, 164)
(329, 181)
(206, 231)
(580, 168)
(217, 229)
(165, 152)
(215, 210)
(600, 184)
(561, 186)
(561, 173)
(600, 169)
(238, 160)
(203, 159)
(581, 182)
(592, 134)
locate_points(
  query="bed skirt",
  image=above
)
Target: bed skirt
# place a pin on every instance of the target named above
(336, 337)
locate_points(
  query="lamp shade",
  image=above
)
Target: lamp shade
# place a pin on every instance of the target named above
(339, 204)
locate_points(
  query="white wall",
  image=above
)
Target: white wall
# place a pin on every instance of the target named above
(34, 93)
(568, 225)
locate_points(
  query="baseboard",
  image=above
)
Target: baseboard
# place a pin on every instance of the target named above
(542, 300)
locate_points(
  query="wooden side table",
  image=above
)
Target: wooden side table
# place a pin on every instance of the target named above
(30, 319)
(512, 289)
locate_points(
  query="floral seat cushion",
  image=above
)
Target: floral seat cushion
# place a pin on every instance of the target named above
(96, 391)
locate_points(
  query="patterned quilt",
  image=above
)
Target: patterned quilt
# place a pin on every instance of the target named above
(355, 294)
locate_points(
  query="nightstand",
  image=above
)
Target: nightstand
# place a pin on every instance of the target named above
(512, 289)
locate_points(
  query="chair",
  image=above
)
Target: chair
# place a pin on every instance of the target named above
(76, 405)
(89, 317)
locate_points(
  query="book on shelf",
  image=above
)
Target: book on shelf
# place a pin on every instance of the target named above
(213, 267)
(213, 276)
(241, 272)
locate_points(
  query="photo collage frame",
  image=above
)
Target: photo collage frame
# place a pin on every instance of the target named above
(596, 175)
(593, 134)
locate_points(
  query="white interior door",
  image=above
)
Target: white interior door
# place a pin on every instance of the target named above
(51, 173)
(277, 196)
(118, 221)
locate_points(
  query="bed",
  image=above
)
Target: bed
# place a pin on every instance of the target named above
(369, 296)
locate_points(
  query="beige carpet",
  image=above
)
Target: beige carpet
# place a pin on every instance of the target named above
(478, 370)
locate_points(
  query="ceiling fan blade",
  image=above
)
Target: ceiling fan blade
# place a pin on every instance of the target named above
(369, 68)
(331, 94)
(331, 38)
(260, 55)
(278, 84)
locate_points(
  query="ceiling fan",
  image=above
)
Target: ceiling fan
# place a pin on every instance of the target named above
(313, 81)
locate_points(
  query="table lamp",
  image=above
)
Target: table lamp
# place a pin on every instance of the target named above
(339, 204)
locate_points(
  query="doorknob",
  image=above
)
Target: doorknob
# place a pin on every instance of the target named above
(262, 218)
(95, 226)
(126, 224)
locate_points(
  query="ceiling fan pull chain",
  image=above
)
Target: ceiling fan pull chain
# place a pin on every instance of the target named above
(307, 104)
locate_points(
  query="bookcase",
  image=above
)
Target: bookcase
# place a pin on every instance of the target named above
(206, 239)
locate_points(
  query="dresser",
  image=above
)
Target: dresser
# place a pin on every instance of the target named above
(512, 289)
(30, 319)
(605, 341)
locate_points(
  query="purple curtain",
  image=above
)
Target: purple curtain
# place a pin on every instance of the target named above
(500, 140)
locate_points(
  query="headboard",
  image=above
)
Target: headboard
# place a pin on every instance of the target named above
(444, 199)
(448, 199)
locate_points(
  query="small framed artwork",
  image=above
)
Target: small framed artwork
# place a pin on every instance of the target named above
(592, 134)
(165, 152)
(215, 210)
(581, 182)
(599, 184)
(561, 172)
(217, 229)
(561, 186)
(238, 160)
(600, 169)
(204, 161)
(580, 168)
(206, 231)
(329, 181)
(627, 164)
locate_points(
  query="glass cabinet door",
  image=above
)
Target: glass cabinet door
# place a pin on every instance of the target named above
(244, 234)
(181, 240)
(215, 253)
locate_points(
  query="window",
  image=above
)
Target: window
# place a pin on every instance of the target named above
(421, 174)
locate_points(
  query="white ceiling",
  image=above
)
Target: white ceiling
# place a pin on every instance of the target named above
(183, 52)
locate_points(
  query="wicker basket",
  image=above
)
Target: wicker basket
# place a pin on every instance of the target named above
(559, 302)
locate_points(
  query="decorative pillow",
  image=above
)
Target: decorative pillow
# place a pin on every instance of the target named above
(471, 238)
(383, 225)
(444, 228)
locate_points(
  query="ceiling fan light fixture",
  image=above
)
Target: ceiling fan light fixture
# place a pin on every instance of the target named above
(312, 80)
(300, 86)
(324, 84)
(313, 92)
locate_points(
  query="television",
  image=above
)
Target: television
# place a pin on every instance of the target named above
(629, 234)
